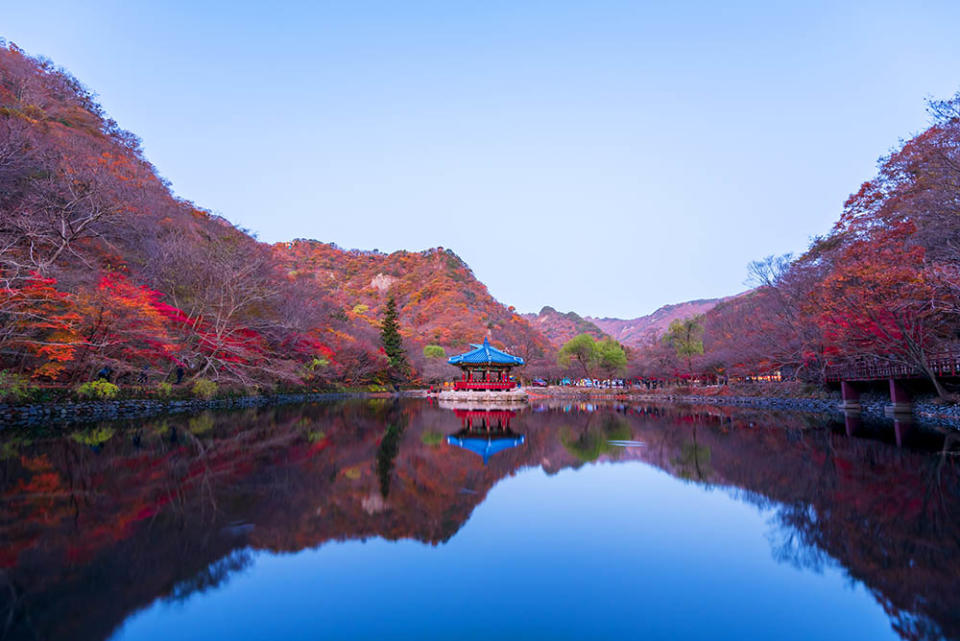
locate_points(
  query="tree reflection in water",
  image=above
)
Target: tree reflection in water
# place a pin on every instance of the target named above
(100, 521)
(390, 447)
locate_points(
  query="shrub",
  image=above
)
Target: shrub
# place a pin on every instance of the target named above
(204, 388)
(431, 439)
(434, 351)
(164, 390)
(100, 388)
(317, 363)
(13, 387)
(94, 437)
(200, 424)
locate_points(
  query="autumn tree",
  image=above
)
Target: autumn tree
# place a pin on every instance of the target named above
(612, 357)
(582, 351)
(41, 327)
(592, 357)
(685, 336)
(879, 302)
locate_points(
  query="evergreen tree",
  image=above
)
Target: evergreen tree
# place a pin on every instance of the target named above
(399, 369)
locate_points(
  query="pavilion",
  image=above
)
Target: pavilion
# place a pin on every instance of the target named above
(485, 369)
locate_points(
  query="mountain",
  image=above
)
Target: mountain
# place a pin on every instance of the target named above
(639, 331)
(560, 327)
(104, 269)
(439, 299)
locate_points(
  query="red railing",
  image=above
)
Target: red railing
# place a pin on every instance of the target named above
(942, 364)
(484, 386)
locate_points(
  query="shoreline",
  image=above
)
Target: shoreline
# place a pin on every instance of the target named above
(78, 412)
(924, 412)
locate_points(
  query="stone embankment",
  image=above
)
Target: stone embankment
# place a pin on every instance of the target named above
(479, 398)
(924, 411)
(89, 411)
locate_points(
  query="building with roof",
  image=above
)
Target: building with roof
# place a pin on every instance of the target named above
(485, 368)
(485, 375)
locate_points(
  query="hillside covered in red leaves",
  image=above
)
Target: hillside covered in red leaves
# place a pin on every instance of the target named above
(104, 270)
(881, 287)
(440, 300)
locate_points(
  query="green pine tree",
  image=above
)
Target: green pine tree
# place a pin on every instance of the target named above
(399, 369)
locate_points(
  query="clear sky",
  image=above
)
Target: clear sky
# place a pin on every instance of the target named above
(606, 157)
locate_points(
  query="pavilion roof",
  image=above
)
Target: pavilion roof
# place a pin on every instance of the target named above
(485, 355)
(487, 446)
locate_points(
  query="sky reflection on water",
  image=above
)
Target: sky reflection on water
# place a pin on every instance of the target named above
(776, 531)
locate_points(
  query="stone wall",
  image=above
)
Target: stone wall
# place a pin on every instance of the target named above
(87, 411)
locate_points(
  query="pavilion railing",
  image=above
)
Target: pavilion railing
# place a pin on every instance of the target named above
(484, 386)
(946, 363)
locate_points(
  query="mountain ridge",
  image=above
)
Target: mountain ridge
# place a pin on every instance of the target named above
(639, 331)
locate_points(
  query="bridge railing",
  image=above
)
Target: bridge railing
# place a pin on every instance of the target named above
(946, 363)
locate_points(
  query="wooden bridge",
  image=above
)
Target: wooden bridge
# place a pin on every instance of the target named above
(944, 364)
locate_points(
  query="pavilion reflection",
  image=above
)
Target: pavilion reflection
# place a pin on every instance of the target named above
(485, 432)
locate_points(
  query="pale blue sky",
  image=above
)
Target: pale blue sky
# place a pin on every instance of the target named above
(606, 157)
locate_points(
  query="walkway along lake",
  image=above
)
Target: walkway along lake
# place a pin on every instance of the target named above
(377, 519)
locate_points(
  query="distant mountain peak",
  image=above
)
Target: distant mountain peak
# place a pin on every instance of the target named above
(559, 327)
(638, 331)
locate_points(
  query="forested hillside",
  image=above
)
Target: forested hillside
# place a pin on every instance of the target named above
(882, 285)
(441, 302)
(104, 271)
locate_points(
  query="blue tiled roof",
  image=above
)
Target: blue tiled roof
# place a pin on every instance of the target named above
(485, 355)
(486, 447)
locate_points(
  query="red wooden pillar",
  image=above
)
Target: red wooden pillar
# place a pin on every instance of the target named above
(899, 398)
(850, 395)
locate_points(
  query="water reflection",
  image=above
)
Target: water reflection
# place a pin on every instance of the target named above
(103, 521)
(485, 432)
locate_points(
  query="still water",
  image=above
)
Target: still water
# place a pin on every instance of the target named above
(397, 519)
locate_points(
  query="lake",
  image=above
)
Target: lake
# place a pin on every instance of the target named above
(398, 519)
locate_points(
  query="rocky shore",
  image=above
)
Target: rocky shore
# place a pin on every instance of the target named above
(91, 411)
(925, 412)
